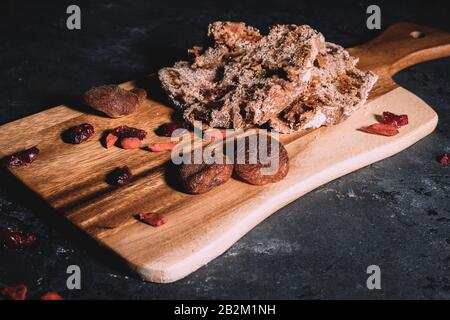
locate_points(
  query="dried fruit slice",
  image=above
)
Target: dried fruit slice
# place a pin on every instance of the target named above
(51, 296)
(130, 143)
(160, 147)
(16, 292)
(380, 129)
(110, 140)
(393, 119)
(152, 218)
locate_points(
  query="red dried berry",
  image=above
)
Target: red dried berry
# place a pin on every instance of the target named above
(160, 147)
(444, 160)
(79, 134)
(129, 132)
(21, 158)
(393, 119)
(51, 296)
(130, 143)
(11, 237)
(110, 140)
(380, 129)
(120, 176)
(152, 218)
(172, 129)
(15, 293)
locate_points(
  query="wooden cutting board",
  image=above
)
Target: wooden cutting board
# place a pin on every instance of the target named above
(71, 178)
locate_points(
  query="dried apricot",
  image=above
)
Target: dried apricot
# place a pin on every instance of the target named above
(113, 100)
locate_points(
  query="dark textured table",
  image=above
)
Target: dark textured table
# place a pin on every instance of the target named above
(394, 213)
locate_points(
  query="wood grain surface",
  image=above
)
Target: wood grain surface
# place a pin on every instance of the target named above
(71, 178)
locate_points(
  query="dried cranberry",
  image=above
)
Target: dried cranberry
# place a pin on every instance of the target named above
(21, 158)
(152, 218)
(168, 129)
(444, 159)
(120, 176)
(79, 134)
(393, 119)
(14, 238)
(381, 129)
(129, 132)
(15, 293)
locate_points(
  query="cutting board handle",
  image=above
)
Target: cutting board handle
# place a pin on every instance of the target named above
(401, 45)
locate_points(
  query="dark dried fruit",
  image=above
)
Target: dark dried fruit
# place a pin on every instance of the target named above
(15, 293)
(79, 134)
(140, 93)
(168, 129)
(130, 143)
(110, 140)
(129, 132)
(444, 160)
(160, 147)
(257, 167)
(381, 129)
(51, 296)
(11, 238)
(21, 158)
(393, 119)
(201, 178)
(120, 176)
(113, 100)
(152, 218)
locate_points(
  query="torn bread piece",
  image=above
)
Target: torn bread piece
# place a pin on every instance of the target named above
(336, 90)
(246, 78)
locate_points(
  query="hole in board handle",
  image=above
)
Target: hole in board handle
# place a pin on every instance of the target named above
(417, 34)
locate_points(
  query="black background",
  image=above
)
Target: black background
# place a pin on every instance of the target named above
(394, 213)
